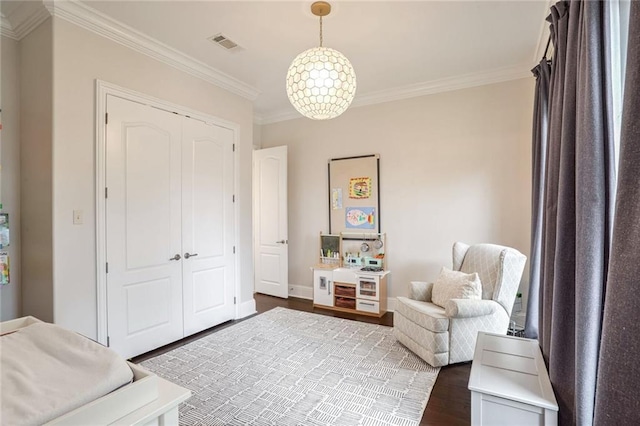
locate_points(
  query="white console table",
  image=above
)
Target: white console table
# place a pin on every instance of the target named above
(509, 383)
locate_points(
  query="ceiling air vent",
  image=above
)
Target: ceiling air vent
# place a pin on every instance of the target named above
(222, 41)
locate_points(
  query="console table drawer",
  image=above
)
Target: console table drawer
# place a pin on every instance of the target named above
(368, 306)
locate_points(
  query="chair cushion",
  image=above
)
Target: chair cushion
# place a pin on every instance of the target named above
(455, 285)
(487, 261)
(425, 314)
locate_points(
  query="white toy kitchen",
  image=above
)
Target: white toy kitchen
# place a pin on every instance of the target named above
(351, 275)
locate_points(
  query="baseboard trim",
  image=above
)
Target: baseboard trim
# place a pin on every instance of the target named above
(247, 308)
(391, 304)
(301, 291)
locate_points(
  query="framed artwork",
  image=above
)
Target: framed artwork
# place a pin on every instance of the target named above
(5, 239)
(360, 218)
(336, 198)
(5, 276)
(360, 188)
(358, 179)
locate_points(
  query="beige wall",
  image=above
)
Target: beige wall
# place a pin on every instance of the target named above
(257, 134)
(36, 124)
(10, 302)
(80, 58)
(454, 166)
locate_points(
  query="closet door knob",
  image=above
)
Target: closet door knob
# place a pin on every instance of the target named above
(176, 257)
(281, 242)
(188, 255)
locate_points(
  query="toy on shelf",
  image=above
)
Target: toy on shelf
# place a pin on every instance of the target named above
(352, 250)
(330, 250)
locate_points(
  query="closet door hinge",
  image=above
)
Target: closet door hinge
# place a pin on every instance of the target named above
(234, 198)
(106, 118)
(234, 249)
(234, 147)
(107, 267)
(108, 342)
(234, 300)
(106, 193)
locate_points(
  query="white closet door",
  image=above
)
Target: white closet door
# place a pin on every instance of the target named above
(207, 225)
(143, 211)
(271, 246)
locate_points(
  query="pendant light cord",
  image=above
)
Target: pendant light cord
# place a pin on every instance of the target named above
(321, 31)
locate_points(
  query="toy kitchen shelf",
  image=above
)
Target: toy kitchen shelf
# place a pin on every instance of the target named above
(351, 249)
(339, 281)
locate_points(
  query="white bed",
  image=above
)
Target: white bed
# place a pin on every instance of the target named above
(34, 366)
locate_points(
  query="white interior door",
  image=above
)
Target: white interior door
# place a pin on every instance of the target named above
(207, 225)
(143, 221)
(270, 221)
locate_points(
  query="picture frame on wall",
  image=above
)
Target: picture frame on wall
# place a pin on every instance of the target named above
(358, 178)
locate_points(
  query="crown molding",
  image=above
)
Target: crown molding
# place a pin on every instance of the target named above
(446, 84)
(416, 90)
(6, 30)
(30, 14)
(23, 19)
(284, 114)
(105, 26)
(258, 119)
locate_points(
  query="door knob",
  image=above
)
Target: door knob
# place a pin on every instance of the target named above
(176, 257)
(188, 255)
(281, 242)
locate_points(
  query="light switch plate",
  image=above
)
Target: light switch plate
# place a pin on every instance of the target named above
(78, 217)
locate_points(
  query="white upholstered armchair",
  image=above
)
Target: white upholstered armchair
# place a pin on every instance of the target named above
(446, 334)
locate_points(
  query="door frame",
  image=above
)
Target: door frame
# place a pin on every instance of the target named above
(103, 89)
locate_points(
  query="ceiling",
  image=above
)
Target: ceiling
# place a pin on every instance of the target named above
(398, 49)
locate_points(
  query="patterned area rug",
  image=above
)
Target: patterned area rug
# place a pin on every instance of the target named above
(287, 367)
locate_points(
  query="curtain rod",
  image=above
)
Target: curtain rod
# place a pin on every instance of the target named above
(546, 49)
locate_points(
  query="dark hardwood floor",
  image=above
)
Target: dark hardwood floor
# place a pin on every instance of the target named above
(450, 400)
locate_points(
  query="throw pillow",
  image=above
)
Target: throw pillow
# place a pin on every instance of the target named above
(455, 285)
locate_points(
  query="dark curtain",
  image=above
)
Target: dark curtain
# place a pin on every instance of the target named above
(579, 184)
(618, 397)
(542, 72)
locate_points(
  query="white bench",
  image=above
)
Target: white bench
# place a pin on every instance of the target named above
(509, 383)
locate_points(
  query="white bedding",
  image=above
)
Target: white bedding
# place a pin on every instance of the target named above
(47, 371)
